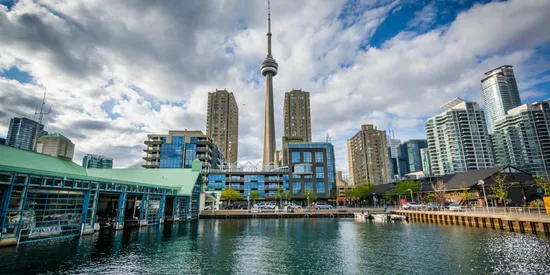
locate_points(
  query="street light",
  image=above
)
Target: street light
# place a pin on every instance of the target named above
(412, 198)
(482, 183)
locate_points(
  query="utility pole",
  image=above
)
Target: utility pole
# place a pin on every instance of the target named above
(40, 116)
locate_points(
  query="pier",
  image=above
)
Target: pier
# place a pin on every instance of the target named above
(271, 214)
(528, 223)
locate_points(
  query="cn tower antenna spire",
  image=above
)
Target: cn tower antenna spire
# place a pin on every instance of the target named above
(269, 68)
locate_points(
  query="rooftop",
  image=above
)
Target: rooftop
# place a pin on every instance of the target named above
(23, 161)
(57, 135)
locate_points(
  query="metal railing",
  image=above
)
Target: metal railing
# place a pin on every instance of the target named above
(539, 212)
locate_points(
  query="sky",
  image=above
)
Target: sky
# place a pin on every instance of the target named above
(115, 71)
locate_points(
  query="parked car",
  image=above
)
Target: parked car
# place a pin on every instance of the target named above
(432, 206)
(264, 205)
(294, 206)
(236, 206)
(444, 205)
(413, 206)
(455, 207)
(323, 206)
(208, 207)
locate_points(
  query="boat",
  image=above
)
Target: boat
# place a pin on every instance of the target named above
(360, 216)
(380, 217)
(395, 217)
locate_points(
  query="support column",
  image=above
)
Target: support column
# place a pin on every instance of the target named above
(176, 209)
(121, 211)
(143, 210)
(162, 205)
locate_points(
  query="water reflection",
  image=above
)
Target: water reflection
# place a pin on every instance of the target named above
(285, 246)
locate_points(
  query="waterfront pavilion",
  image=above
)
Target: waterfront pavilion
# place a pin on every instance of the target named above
(44, 197)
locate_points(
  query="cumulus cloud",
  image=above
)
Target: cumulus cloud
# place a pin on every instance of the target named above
(114, 73)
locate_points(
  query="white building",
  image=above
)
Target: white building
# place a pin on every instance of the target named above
(500, 93)
(522, 138)
(458, 140)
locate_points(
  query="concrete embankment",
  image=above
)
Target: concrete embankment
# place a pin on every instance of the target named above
(525, 224)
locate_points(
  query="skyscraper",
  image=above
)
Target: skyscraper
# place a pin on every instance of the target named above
(222, 124)
(425, 158)
(22, 133)
(458, 140)
(500, 93)
(297, 119)
(368, 156)
(414, 159)
(55, 145)
(178, 149)
(97, 161)
(269, 69)
(393, 147)
(522, 138)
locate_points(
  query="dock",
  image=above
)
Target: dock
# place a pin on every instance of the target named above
(271, 214)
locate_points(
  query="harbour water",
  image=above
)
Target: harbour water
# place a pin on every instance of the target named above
(286, 246)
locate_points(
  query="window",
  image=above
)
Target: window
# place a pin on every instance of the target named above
(296, 157)
(190, 154)
(320, 187)
(319, 172)
(318, 156)
(308, 186)
(307, 156)
(296, 188)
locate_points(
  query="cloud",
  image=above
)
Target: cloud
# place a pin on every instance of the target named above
(114, 73)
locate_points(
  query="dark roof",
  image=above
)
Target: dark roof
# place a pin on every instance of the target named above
(471, 178)
(383, 188)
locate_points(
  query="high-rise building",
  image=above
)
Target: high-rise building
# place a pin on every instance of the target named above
(312, 168)
(178, 149)
(2, 141)
(56, 145)
(284, 151)
(222, 124)
(500, 93)
(297, 119)
(368, 156)
(393, 147)
(97, 161)
(414, 158)
(522, 138)
(458, 140)
(22, 133)
(425, 158)
(269, 68)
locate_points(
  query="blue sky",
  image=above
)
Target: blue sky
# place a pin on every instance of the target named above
(114, 73)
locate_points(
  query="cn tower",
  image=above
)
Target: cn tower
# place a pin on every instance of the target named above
(269, 70)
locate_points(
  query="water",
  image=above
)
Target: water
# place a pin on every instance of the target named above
(286, 246)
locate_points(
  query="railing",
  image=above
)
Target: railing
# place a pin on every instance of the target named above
(539, 212)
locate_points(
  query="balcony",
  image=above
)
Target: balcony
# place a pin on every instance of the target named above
(204, 149)
(153, 142)
(151, 157)
(151, 165)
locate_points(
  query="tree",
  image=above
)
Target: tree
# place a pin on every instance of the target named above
(362, 191)
(287, 196)
(543, 184)
(501, 189)
(439, 191)
(230, 195)
(466, 195)
(388, 197)
(254, 195)
(402, 188)
(279, 194)
(312, 195)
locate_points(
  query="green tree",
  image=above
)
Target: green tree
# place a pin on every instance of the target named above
(466, 195)
(543, 184)
(362, 191)
(404, 187)
(312, 195)
(390, 196)
(230, 195)
(254, 195)
(279, 194)
(287, 196)
(500, 188)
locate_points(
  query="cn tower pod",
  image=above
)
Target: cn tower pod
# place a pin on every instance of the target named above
(269, 65)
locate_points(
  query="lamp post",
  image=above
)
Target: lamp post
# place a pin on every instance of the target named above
(482, 183)
(412, 199)
(374, 200)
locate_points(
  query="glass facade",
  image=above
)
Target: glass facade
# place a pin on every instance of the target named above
(307, 157)
(190, 154)
(97, 161)
(254, 183)
(296, 157)
(320, 187)
(296, 188)
(37, 207)
(22, 132)
(171, 153)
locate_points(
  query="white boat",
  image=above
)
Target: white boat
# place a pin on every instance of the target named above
(380, 217)
(361, 216)
(394, 217)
